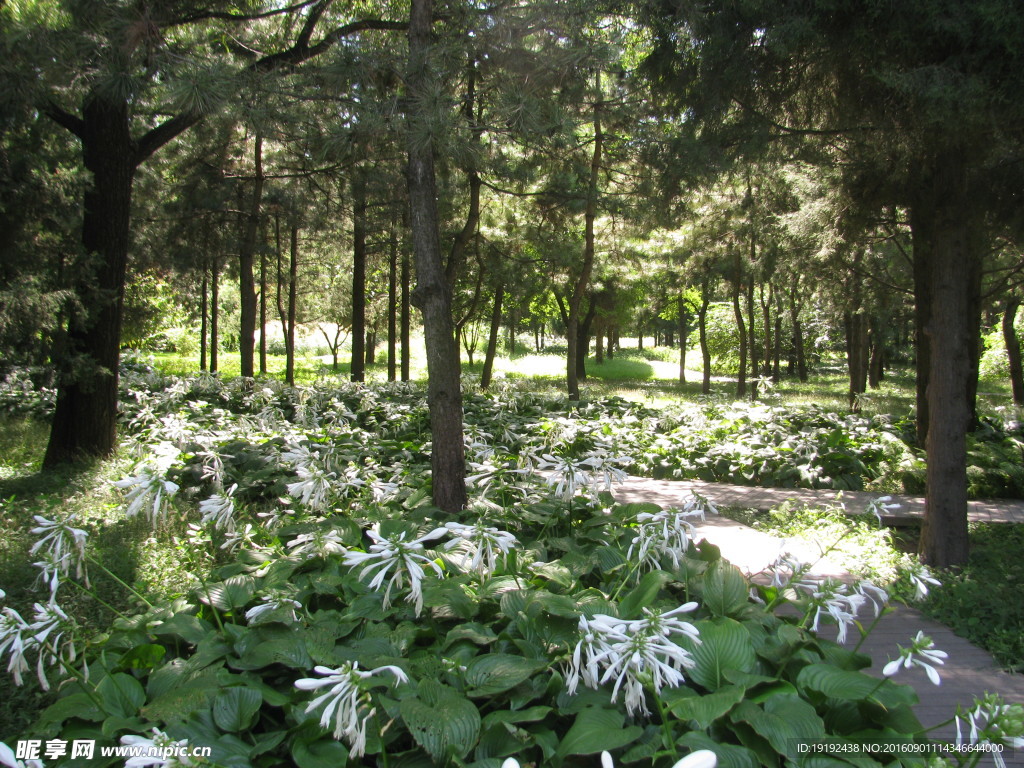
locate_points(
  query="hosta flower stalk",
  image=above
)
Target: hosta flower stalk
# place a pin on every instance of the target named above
(402, 560)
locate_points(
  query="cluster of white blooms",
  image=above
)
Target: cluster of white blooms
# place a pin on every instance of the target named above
(594, 473)
(992, 722)
(347, 703)
(219, 509)
(921, 653)
(160, 751)
(63, 546)
(842, 602)
(148, 489)
(279, 602)
(665, 534)
(921, 578)
(632, 653)
(46, 636)
(401, 559)
(480, 545)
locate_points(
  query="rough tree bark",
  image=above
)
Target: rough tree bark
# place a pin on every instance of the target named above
(941, 210)
(247, 308)
(492, 337)
(432, 294)
(358, 362)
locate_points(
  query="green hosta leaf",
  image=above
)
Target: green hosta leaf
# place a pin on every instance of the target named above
(498, 672)
(475, 633)
(144, 656)
(176, 695)
(854, 686)
(189, 628)
(725, 646)
(229, 595)
(235, 708)
(325, 753)
(290, 653)
(441, 720)
(596, 730)
(122, 695)
(786, 721)
(724, 589)
(76, 705)
(530, 715)
(557, 573)
(643, 595)
(729, 755)
(706, 709)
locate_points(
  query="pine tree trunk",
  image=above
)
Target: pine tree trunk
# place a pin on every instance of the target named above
(85, 417)
(405, 317)
(492, 337)
(582, 282)
(214, 314)
(203, 310)
(246, 263)
(952, 287)
(263, 308)
(293, 281)
(702, 331)
(741, 328)
(432, 294)
(358, 362)
(393, 303)
(683, 333)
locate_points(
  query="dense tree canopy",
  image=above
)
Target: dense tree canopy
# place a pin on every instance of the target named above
(756, 177)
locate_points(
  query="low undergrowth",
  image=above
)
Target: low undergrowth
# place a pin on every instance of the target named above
(319, 612)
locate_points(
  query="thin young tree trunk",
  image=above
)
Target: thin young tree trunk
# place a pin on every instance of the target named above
(358, 276)
(405, 317)
(702, 330)
(583, 279)
(293, 282)
(432, 295)
(683, 332)
(741, 328)
(492, 337)
(246, 262)
(214, 313)
(393, 302)
(203, 309)
(752, 339)
(798, 335)
(263, 308)
(1013, 349)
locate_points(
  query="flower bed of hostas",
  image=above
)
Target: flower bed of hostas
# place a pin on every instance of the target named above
(346, 621)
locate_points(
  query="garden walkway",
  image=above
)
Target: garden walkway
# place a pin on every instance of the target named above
(969, 671)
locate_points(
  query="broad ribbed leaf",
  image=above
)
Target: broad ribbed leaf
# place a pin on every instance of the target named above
(229, 595)
(706, 709)
(724, 589)
(729, 755)
(122, 695)
(497, 672)
(441, 720)
(853, 686)
(235, 708)
(596, 730)
(643, 595)
(725, 646)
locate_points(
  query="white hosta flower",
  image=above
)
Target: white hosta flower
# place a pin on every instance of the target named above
(50, 630)
(161, 751)
(347, 703)
(663, 534)
(881, 506)
(606, 470)
(271, 603)
(8, 758)
(65, 547)
(236, 538)
(314, 488)
(219, 509)
(480, 545)
(632, 653)
(15, 640)
(921, 578)
(403, 557)
(921, 653)
(566, 475)
(833, 599)
(876, 596)
(317, 544)
(993, 724)
(148, 491)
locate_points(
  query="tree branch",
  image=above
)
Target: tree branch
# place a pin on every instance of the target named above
(64, 119)
(156, 137)
(302, 51)
(225, 16)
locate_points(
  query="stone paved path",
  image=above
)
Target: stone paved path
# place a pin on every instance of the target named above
(969, 671)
